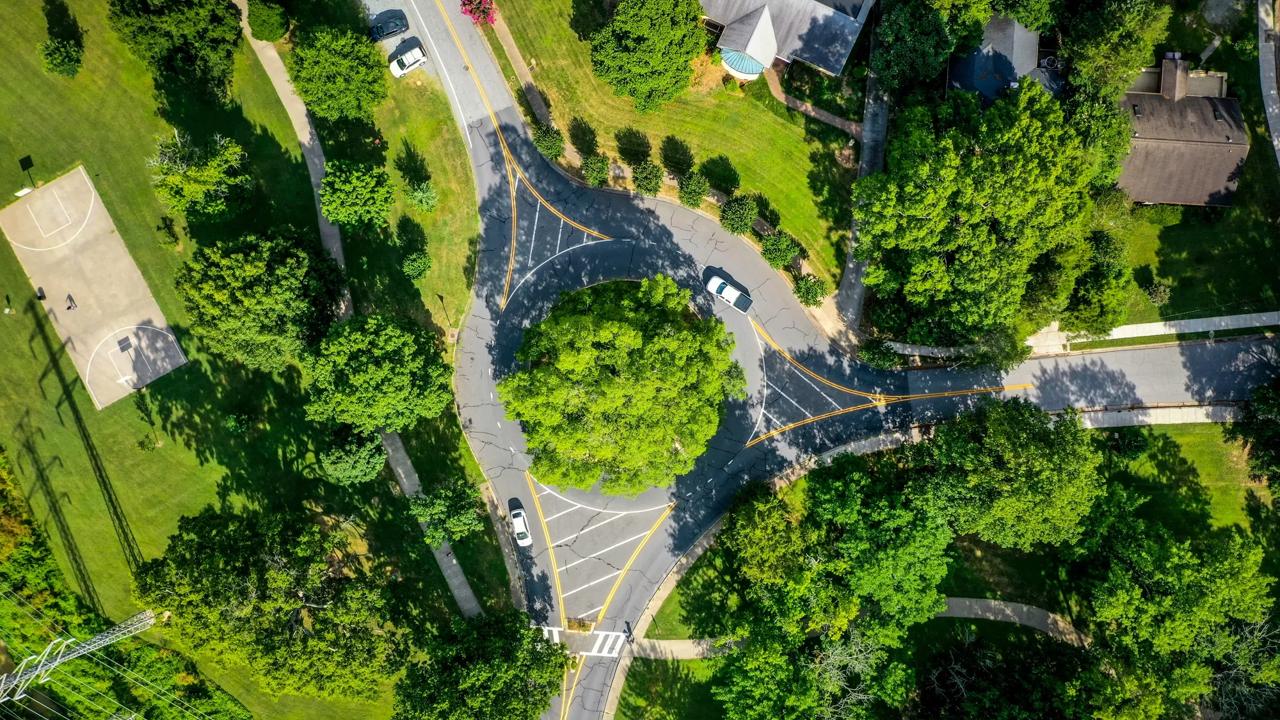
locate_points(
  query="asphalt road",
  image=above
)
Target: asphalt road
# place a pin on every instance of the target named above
(596, 560)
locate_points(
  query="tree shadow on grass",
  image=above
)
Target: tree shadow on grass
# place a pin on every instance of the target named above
(411, 164)
(314, 14)
(586, 17)
(667, 689)
(676, 156)
(721, 173)
(583, 137)
(633, 146)
(61, 23)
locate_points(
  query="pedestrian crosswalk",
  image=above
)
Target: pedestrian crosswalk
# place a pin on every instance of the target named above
(599, 643)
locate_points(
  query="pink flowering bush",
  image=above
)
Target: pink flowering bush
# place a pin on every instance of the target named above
(481, 12)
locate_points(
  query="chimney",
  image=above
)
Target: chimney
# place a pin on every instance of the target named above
(1173, 77)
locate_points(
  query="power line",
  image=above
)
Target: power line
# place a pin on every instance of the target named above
(166, 696)
(68, 676)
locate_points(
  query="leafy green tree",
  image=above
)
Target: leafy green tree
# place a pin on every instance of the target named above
(1167, 614)
(353, 194)
(267, 20)
(416, 264)
(549, 140)
(448, 511)
(198, 181)
(693, 189)
(339, 74)
(738, 214)
(648, 177)
(1100, 299)
(779, 249)
(646, 50)
(767, 681)
(353, 458)
(1109, 41)
(274, 591)
(191, 39)
(1259, 429)
(811, 290)
(62, 56)
(259, 300)
(1011, 473)
(976, 227)
(914, 42)
(623, 386)
(374, 373)
(1035, 14)
(423, 195)
(595, 169)
(497, 668)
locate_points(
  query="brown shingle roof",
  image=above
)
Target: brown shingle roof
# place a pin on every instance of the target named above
(1188, 152)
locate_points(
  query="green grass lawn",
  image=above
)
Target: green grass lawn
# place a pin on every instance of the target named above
(1215, 258)
(669, 690)
(768, 147)
(100, 495)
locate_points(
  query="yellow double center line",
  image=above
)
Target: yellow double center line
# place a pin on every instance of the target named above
(509, 164)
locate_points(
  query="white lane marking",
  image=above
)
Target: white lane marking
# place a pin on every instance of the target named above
(597, 581)
(550, 632)
(533, 240)
(774, 419)
(592, 611)
(663, 506)
(793, 402)
(764, 391)
(67, 215)
(815, 387)
(553, 257)
(563, 512)
(587, 529)
(598, 553)
(447, 78)
(558, 234)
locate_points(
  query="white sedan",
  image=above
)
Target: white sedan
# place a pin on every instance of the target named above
(408, 60)
(520, 528)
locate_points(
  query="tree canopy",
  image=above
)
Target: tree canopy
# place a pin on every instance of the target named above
(1099, 301)
(978, 226)
(198, 181)
(645, 50)
(1010, 473)
(1109, 41)
(496, 667)
(354, 194)
(374, 373)
(624, 386)
(259, 300)
(1259, 428)
(276, 592)
(191, 39)
(339, 74)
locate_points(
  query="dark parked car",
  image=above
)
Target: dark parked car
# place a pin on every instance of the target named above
(389, 26)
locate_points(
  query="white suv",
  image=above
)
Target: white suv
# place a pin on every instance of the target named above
(408, 60)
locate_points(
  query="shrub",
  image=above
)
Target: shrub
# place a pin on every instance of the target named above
(416, 264)
(1159, 292)
(423, 195)
(738, 214)
(647, 177)
(811, 290)
(62, 56)
(779, 249)
(267, 20)
(596, 170)
(481, 12)
(693, 188)
(353, 458)
(549, 140)
(877, 353)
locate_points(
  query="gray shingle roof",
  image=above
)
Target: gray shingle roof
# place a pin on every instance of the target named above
(806, 30)
(1009, 51)
(1188, 152)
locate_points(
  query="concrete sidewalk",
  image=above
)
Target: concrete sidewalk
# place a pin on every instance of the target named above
(1052, 340)
(1051, 624)
(1267, 70)
(331, 238)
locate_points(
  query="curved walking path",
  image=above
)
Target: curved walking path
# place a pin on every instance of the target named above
(331, 238)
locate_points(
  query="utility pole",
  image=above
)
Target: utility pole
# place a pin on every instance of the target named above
(38, 667)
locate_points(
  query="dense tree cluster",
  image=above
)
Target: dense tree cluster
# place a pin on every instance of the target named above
(340, 74)
(356, 195)
(190, 39)
(979, 225)
(259, 300)
(601, 367)
(646, 50)
(278, 592)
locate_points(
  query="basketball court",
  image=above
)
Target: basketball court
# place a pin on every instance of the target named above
(94, 296)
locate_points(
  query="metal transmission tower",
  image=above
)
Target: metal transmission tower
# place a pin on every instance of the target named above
(38, 667)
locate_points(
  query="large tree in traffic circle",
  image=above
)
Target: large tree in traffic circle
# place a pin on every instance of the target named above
(374, 373)
(622, 385)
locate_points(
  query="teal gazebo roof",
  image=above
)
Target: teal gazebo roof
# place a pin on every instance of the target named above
(741, 62)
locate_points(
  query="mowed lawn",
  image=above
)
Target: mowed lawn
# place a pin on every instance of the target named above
(208, 430)
(769, 147)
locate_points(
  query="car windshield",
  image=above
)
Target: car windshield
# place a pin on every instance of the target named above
(401, 63)
(720, 288)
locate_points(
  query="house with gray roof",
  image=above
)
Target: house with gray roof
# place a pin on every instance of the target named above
(1010, 51)
(755, 33)
(1189, 139)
